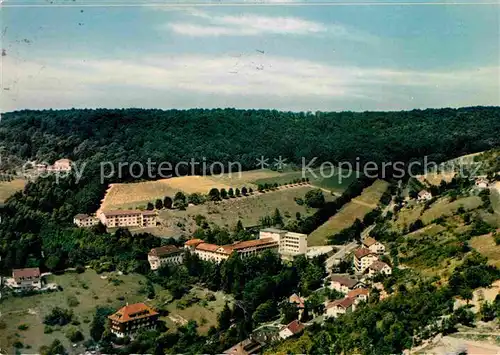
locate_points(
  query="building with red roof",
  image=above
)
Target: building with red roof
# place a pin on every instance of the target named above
(27, 278)
(129, 319)
(293, 328)
(339, 307)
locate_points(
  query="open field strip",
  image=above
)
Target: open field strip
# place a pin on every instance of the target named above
(9, 188)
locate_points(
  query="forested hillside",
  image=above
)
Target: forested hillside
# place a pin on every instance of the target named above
(243, 135)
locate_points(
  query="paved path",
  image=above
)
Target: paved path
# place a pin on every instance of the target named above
(343, 250)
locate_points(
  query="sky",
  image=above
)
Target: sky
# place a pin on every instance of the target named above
(288, 55)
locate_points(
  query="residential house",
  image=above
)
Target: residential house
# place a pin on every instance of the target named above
(378, 267)
(129, 319)
(359, 295)
(339, 307)
(424, 195)
(291, 329)
(84, 220)
(248, 346)
(167, 254)
(373, 245)
(60, 165)
(363, 258)
(290, 243)
(128, 218)
(481, 183)
(299, 301)
(344, 284)
(27, 278)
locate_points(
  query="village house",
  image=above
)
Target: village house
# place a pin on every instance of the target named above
(481, 183)
(291, 329)
(363, 258)
(248, 346)
(339, 307)
(61, 165)
(128, 218)
(290, 243)
(299, 301)
(344, 284)
(29, 278)
(424, 195)
(218, 253)
(378, 267)
(359, 295)
(373, 245)
(129, 319)
(84, 220)
(167, 254)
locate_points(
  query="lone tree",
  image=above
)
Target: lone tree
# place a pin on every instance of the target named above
(244, 191)
(214, 194)
(159, 204)
(223, 193)
(237, 192)
(315, 198)
(230, 192)
(167, 202)
(150, 206)
(180, 200)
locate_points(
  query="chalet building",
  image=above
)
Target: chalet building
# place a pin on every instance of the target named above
(344, 284)
(339, 307)
(378, 267)
(359, 295)
(130, 218)
(424, 195)
(248, 346)
(290, 243)
(167, 254)
(373, 245)
(28, 278)
(130, 319)
(218, 253)
(363, 258)
(293, 328)
(84, 220)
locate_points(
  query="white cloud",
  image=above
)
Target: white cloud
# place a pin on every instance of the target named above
(252, 81)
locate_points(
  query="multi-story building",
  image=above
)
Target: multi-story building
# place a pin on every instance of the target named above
(129, 319)
(363, 258)
(128, 218)
(84, 220)
(290, 243)
(218, 253)
(373, 245)
(167, 254)
(27, 278)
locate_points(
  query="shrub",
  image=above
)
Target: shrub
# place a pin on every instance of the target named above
(72, 301)
(23, 327)
(58, 316)
(74, 335)
(47, 330)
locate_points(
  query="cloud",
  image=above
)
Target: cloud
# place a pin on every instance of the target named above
(255, 25)
(252, 81)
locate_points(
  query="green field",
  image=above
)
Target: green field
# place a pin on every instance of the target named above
(356, 209)
(91, 290)
(9, 188)
(248, 209)
(334, 183)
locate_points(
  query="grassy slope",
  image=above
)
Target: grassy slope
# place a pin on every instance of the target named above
(9, 188)
(486, 246)
(344, 218)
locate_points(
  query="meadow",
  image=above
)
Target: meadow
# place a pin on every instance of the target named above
(9, 188)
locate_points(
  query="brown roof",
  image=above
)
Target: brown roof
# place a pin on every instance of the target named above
(369, 241)
(377, 265)
(133, 311)
(251, 243)
(164, 250)
(357, 292)
(193, 242)
(296, 299)
(423, 192)
(28, 272)
(82, 216)
(362, 252)
(149, 213)
(121, 213)
(347, 281)
(295, 327)
(344, 303)
(246, 347)
(207, 247)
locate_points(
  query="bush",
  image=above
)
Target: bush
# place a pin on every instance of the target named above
(58, 316)
(74, 335)
(72, 301)
(23, 327)
(47, 330)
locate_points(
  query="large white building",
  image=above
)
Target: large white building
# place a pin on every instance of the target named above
(84, 220)
(167, 254)
(131, 218)
(290, 243)
(218, 253)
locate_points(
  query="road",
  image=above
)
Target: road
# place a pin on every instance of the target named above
(343, 250)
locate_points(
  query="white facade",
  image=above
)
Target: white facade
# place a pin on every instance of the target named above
(285, 333)
(83, 220)
(362, 262)
(373, 245)
(128, 218)
(290, 243)
(379, 267)
(424, 195)
(161, 256)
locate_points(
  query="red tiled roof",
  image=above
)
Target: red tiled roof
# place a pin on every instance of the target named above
(28, 272)
(362, 252)
(344, 303)
(251, 243)
(121, 213)
(295, 327)
(192, 242)
(357, 292)
(207, 247)
(377, 265)
(164, 250)
(149, 213)
(346, 281)
(133, 311)
(369, 241)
